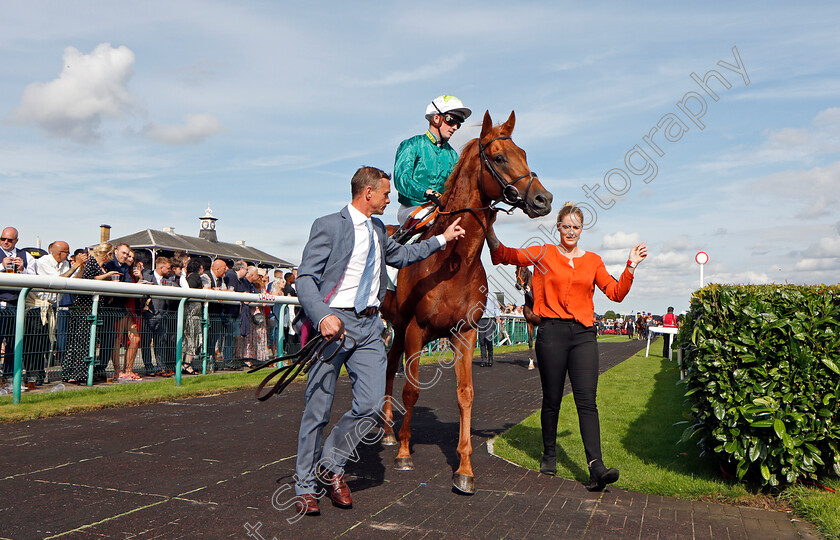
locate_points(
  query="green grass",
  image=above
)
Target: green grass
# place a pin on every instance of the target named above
(612, 338)
(639, 402)
(123, 395)
(820, 507)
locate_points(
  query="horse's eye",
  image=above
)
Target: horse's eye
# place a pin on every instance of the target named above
(499, 158)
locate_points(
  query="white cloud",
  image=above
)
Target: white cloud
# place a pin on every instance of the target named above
(814, 190)
(818, 264)
(620, 240)
(669, 259)
(195, 129)
(677, 243)
(821, 255)
(89, 88)
(747, 278)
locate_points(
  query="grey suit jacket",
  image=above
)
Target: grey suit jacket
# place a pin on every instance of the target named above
(328, 252)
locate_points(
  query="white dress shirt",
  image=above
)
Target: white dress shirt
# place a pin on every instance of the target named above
(48, 266)
(345, 292)
(30, 260)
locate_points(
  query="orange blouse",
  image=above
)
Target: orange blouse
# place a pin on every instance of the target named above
(561, 290)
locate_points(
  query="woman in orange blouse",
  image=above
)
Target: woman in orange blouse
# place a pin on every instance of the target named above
(563, 284)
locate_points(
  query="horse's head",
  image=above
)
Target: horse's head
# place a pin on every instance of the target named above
(523, 277)
(505, 175)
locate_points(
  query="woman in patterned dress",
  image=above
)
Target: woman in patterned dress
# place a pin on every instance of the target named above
(75, 366)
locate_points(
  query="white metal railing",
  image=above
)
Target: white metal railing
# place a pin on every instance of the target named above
(26, 283)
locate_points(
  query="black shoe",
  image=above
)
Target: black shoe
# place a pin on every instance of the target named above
(489, 364)
(548, 465)
(399, 374)
(483, 364)
(600, 476)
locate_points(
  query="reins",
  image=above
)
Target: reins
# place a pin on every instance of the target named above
(302, 361)
(510, 196)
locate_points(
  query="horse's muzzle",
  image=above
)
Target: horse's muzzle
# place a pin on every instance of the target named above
(538, 205)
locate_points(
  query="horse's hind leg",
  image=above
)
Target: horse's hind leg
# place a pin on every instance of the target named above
(464, 344)
(397, 348)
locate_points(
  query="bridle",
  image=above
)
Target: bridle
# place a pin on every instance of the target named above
(510, 194)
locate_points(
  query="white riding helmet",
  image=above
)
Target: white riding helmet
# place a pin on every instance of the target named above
(447, 104)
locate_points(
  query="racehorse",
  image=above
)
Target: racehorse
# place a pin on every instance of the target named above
(444, 295)
(523, 283)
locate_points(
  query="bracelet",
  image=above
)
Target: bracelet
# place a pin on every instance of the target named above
(631, 264)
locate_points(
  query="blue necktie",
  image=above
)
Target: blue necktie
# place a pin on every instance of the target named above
(363, 293)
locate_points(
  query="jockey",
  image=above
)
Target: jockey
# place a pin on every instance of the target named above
(424, 162)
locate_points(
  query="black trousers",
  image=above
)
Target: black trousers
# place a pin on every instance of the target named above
(486, 333)
(562, 347)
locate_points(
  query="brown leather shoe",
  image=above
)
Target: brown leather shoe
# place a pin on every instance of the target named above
(307, 504)
(338, 488)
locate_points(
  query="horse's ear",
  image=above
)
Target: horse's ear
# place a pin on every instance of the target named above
(486, 126)
(507, 127)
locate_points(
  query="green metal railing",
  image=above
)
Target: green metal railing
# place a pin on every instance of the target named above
(98, 330)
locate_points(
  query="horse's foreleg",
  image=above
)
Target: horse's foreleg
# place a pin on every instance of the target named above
(411, 391)
(397, 347)
(464, 344)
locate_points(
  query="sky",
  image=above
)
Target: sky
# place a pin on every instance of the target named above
(712, 127)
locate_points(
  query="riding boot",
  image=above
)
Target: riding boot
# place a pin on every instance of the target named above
(548, 465)
(600, 476)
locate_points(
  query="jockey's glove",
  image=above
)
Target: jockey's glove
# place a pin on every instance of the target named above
(433, 196)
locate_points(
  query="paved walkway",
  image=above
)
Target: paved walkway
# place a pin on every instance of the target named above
(208, 468)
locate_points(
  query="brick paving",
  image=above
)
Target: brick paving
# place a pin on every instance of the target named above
(208, 468)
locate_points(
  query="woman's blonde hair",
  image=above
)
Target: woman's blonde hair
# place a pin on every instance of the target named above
(105, 248)
(568, 209)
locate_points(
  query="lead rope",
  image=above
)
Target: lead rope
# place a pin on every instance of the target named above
(303, 360)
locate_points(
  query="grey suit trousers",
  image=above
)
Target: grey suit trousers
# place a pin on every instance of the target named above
(366, 368)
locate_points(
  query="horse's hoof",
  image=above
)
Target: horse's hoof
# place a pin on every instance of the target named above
(389, 439)
(403, 464)
(463, 484)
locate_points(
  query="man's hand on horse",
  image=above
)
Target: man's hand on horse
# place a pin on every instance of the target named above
(454, 231)
(330, 326)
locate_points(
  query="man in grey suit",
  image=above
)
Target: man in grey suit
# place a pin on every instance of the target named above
(342, 280)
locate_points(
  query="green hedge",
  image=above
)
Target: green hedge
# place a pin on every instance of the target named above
(763, 379)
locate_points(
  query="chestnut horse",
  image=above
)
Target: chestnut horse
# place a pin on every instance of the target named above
(444, 295)
(523, 283)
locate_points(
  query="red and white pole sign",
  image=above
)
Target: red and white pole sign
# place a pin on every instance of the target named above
(702, 258)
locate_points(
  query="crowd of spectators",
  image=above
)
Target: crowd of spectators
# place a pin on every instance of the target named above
(630, 326)
(58, 329)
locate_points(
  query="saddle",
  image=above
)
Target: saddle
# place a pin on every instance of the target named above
(419, 221)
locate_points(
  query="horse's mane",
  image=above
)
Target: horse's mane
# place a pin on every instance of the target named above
(449, 187)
